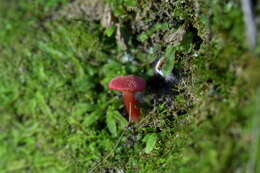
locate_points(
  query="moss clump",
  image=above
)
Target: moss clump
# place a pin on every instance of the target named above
(58, 115)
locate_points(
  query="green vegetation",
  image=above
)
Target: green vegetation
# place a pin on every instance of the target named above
(57, 114)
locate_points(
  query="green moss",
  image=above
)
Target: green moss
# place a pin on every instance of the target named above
(57, 114)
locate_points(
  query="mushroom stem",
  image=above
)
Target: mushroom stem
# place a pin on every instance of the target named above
(131, 106)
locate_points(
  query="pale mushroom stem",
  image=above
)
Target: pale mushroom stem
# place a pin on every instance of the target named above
(131, 106)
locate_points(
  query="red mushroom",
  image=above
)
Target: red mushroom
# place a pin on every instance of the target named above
(129, 85)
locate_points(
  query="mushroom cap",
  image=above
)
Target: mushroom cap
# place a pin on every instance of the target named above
(129, 83)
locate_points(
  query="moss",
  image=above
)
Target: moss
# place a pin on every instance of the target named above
(58, 115)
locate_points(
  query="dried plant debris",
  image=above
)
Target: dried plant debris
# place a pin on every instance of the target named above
(87, 10)
(106, 19)
(120, 38)
(156, 24)
(175, 37)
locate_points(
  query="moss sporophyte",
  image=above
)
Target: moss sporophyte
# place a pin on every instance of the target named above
(129, 85)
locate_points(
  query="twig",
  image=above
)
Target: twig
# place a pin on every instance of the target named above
(250, 23)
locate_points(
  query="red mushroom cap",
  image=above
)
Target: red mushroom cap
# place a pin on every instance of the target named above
(130, 83)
